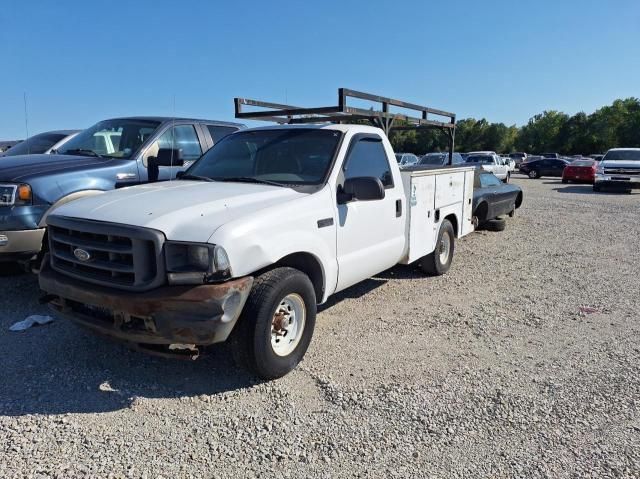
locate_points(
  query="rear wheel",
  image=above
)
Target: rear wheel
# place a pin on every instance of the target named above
(439, 261)
(565, 181)
(496, 224)
(277, 323)
(533, 174)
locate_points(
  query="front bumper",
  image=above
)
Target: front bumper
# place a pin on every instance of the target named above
(180, 317)
(618, 181)
(20, 244)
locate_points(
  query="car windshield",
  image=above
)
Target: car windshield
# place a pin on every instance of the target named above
(35, 144)
(118, 138)
(482, 159)
(300, 156)
(625, 155)
(433, 159)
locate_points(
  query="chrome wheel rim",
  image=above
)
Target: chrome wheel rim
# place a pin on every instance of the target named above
(287, 324)
(532, 174)
(445, 248)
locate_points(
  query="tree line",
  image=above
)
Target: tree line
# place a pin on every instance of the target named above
(615, 125)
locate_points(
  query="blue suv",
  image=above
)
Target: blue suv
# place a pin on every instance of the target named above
(111, 154)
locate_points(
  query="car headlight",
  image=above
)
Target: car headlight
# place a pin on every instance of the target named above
(196, 263)
(600, 170)
(15, 195)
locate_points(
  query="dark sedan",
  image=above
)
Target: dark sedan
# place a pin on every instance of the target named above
(543, 167)
(493, 198)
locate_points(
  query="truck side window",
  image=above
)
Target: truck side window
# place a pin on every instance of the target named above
(368, 158)
(219, 132)
(182, 137)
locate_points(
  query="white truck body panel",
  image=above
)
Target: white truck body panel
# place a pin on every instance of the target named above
(432, 195)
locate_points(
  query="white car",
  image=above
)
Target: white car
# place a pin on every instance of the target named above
(490, 161)
(406, 159)
(619, 168)
(266, 225)
(510, 162)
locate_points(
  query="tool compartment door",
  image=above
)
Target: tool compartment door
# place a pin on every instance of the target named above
(449, 188)
(421, 224)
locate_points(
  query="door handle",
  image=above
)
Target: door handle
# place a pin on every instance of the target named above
(125, 176)
(398, 208)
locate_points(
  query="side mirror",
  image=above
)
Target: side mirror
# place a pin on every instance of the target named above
(169, 157)
(362, 188)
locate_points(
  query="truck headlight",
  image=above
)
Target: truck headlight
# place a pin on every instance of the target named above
(15, 195)
(196, 263)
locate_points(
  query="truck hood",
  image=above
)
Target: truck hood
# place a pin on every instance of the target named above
(182, 210)
(16, 168)
(620, 164)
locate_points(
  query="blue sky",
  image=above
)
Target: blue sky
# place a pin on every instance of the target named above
(80, 62)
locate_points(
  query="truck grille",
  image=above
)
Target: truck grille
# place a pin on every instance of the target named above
(622, 171)
(108, 254)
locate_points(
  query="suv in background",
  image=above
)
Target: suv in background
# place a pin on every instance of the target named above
(111, 154)
(620, 167)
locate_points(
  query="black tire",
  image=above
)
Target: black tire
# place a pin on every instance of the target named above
(495, 224)
(533, 174)
(506, 180)
(252, 336)
(432, 263)
(565, 181)
(596, 188)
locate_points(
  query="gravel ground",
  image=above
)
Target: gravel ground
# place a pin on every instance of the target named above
(490, 371)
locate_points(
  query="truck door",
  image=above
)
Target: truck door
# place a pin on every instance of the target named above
(370, 234)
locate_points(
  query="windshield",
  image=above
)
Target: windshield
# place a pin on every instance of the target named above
(625, 155)
(118, 138)
(300, 156)
(482, 159)
(582, 163)
(35, 144)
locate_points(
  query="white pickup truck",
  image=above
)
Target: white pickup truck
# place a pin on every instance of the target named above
(265, 226)
(490, 161)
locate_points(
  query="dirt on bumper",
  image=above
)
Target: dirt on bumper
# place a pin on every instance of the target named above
(181, 318)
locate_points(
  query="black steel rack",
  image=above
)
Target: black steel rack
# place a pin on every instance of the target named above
(343, 113)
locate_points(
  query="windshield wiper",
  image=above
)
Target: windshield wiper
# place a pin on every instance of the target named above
(195, 177)
(83, 151)
(249, 179)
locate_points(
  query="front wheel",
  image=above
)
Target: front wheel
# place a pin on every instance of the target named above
(439, 262)
(533, 174)
(277, 323)
(596, 188)
(508, 177)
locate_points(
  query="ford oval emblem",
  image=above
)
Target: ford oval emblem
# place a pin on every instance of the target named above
(81, 254)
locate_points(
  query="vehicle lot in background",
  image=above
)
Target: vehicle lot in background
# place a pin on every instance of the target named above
(494, 372)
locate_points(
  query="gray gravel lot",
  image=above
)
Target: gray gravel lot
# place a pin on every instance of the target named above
(489, 371)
